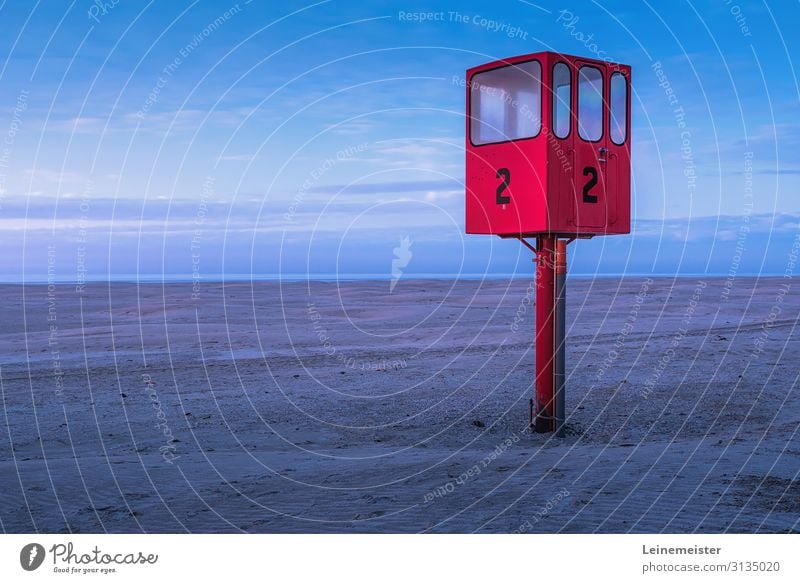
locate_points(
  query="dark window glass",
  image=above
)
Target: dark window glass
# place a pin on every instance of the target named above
(562, 93)
(590, 103)
(619, 108)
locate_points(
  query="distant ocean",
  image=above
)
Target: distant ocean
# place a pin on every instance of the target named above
(293, 277)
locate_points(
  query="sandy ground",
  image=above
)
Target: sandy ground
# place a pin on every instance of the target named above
(330, 407)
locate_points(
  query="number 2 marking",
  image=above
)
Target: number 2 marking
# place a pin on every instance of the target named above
(587, 188)
(505, 173)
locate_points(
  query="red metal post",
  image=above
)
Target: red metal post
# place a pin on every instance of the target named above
(545, 333)
(559, 406)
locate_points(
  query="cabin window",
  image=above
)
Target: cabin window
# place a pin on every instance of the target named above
(619, 108)
(590, 103)
(562, 95)
(506, 103)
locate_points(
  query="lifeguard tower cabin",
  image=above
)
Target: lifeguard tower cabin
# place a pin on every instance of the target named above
(548, 147)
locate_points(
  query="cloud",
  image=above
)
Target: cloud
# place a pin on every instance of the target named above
(78, 125)
(53, 176)
(722, 227)
(148, 236)
(238, 158)
(448, 185)
(438, 205)
(776, 171)
(354, 127)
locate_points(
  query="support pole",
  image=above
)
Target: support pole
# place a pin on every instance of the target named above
(545, 333)
(560, 336)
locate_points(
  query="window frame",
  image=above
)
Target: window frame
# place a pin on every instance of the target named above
(469, 103)
(554, 101)
(626, 85)
(602, 102)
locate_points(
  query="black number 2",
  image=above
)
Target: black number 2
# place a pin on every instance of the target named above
(587, 188)
(505, 174)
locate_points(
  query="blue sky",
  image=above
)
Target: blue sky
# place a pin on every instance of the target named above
(292, 138)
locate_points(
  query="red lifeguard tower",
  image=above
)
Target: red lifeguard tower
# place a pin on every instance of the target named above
(548, 157)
